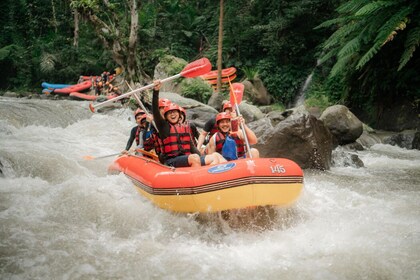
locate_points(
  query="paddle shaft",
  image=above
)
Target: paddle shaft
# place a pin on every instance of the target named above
(111, 155)
(132, 92)
(248, 147)
(142, 106)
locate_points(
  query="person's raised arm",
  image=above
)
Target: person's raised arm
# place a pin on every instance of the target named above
(160, 122)
(252, 138)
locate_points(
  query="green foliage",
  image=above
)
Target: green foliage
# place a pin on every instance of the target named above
(282, 82)
(411, 43)
(196, 89)
(278, 107)
(365, 28)
(372, 43)
(250, 72)
(320, 101)
(172, 65)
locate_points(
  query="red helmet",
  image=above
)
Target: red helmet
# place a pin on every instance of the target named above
(171, 107)
(223, 116)
(182, 110)
(163, 102)
(227, 105)
(138, 111)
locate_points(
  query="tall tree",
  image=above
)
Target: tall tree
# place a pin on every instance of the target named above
(216, 97)
(116, 30)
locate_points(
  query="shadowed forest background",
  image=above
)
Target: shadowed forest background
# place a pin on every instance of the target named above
(360, 53)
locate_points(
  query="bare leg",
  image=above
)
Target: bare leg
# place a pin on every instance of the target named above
(194, 160)
(220, 158)
(211, 160)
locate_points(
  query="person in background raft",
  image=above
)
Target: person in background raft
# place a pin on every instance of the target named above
(210, 127)
(138, 132)
(231, 144)
(178, 149)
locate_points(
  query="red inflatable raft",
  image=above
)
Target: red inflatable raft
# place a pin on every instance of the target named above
(84, 96)
(74, 88)
(233, 185)
(225, 73)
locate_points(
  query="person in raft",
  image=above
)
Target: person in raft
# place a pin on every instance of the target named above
(138, 132)
(178, 149)
(153, 142)
(183, 119)
(210, 127)
(229, 143)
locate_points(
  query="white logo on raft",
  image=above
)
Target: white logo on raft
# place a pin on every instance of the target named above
(278, 169)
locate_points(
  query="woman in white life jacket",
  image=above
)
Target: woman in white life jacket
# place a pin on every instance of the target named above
(232, 144)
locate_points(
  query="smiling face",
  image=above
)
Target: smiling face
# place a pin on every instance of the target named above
(224, 125)
(172, 116)
(141, 120)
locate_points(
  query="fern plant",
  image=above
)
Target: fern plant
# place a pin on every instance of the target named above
(364, 27)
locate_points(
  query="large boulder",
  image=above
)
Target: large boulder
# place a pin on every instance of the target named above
(300, 137)
(256, 92)
(404, 139)
(168, 66)
(250, 112)
(416, 141)
(343, 124)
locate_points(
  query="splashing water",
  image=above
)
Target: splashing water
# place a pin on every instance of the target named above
(66, 218)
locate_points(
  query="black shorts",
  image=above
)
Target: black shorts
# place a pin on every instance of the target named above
(182, 161)
(179, 161)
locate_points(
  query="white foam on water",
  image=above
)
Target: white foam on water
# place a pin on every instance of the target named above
(63, 217)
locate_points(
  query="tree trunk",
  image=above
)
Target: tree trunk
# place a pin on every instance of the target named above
(54, 16)
(220, 49)
(120, 40)
(76, 28)
(132, 42)
(216, 98)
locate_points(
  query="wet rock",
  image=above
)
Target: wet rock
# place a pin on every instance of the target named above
(256, 92)
(404, 139)
(301, 138)
(198, 112)
(344, 159)
(416, 141)
(275, 117)
(342, 123)
(250, 112)
(10, 94)
(1, 170)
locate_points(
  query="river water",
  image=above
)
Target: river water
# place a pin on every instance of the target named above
(63, 217)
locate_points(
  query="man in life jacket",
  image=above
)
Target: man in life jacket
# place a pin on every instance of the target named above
(138, 132)
(231, 145)
(210, 127)
(178, 149)
(153, 142)
(194, 130)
